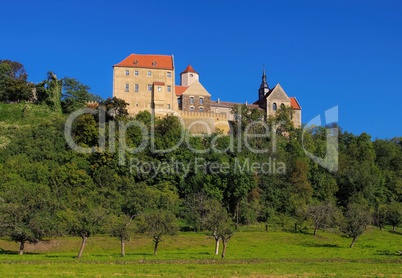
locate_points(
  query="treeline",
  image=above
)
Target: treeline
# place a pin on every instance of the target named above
(204, 183)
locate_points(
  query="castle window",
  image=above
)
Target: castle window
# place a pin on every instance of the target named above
(191, 100)
(191, 108)
(169, 88)
(168, 106)
(127, 88)
(274, 106)
(149, 87)
(201, 109)
(136, 87)
(191, 75)
(127, 72)
(201, 101)
(169, 74)
(149, 73)
(136, 73)
(282, 106)
(179, 100)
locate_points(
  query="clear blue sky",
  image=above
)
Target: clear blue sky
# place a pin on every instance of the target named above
(326, 53)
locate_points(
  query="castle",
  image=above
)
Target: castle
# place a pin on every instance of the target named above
(147, 82)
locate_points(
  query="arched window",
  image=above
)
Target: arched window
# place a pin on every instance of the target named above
(274, 106)
(282, 106)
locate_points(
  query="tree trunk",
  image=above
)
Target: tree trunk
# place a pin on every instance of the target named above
(266, 227)
(315, 230)
(216, 246)
(224, 242)
(123, 251)
(156, 247)
(22, 245)
(84, 241)
(393, 228)
(353, 242)
(237, 215)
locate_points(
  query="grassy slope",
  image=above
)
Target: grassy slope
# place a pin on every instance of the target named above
(250, 254)
(21, 115)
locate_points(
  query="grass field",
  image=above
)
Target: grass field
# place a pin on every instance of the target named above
(251, 253)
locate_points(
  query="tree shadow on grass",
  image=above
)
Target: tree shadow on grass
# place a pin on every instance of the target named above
(13, 252)
(396, 232)
(326, 245)
(389, 253)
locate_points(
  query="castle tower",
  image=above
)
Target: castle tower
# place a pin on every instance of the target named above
(264, 88)
(188, 76)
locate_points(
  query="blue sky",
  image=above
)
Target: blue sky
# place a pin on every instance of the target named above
(326, 53)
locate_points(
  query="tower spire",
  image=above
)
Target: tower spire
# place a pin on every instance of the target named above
(264, 88)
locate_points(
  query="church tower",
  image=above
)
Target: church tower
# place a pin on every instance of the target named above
(264, 88)
(188, 76)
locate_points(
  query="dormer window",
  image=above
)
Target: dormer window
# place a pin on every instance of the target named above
(154, 63)
(136, 62)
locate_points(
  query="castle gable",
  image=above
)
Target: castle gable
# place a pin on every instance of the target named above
(196, 89)
(278, 94)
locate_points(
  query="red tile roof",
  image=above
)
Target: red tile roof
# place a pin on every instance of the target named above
(180, 90)
(147, 61)
(189, 69)
(294, 104)
(159, 83)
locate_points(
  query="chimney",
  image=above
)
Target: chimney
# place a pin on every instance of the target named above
(246, 102)
(219, 100)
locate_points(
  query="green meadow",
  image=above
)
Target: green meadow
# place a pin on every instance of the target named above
(251, 253)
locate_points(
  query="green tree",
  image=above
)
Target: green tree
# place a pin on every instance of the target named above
(25, 211)
(157, 224)
(14, 86)
(219, 223)
(120, 226)
(83, 222)
(49, 92)
(394, 214)
(356, 218)
(75, 95)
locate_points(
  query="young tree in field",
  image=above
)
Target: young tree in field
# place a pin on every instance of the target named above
(219, 223)
(225, 231)
(394, 214)
(356, 218)
(83, 222)
(157, 224)
(322, 214)
(121, 227)
(25, 215)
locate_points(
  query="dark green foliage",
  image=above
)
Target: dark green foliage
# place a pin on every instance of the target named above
(75, 95)
(14, 86)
